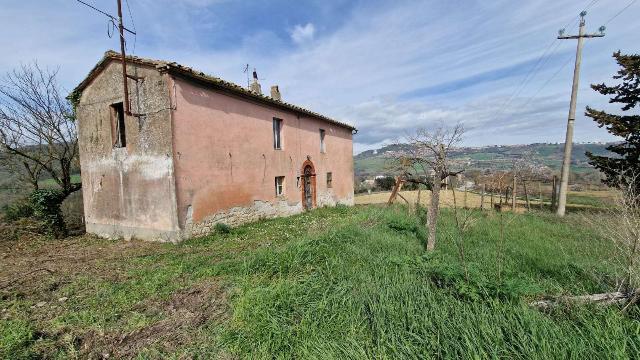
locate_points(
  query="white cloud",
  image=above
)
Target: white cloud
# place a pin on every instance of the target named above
(362, 70)
(303, 34)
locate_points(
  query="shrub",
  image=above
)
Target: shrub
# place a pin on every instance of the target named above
(222, 228)
(19, 210)
(46, 207)
(385, 183)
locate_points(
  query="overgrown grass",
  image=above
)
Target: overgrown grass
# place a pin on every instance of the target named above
(356, 283)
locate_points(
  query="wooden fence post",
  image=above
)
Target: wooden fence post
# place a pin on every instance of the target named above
(396, 189)
(540, 193)
(465, 196)
(482, 198)
(513, 195)
(526, 193)
(553, 193)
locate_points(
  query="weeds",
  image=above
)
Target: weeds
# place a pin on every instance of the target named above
(338, 283)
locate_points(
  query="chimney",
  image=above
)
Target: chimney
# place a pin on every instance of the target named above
(255, 85)
(275, 93)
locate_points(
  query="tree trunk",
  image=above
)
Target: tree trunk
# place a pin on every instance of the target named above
(432, 215)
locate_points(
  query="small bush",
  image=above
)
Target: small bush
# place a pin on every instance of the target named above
(46, 207)
(342, 209)
(221, 228)
(18, 210)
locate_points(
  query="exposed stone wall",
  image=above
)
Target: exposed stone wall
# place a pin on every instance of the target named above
(258, 210)
(128, 192)
(236, 216)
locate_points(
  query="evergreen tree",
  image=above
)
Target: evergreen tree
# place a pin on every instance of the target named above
(627, 159)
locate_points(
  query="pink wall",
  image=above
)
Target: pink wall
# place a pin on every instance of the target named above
(224, 155)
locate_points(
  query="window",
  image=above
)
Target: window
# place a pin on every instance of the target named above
(119, 137)
(279, 185)
(277, 133)
(329, 180)
(322, 147)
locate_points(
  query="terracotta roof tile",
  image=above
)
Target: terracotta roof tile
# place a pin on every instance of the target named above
(216, 82)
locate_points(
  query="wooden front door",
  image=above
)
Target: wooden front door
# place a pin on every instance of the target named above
(308, 189)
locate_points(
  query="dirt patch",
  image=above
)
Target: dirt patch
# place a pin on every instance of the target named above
(184, 314)
(30, 264)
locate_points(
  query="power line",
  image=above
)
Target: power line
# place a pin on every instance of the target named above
(548, 81)
(98, 10)
(542, 60)
(113, 18)
(620, 12)
(135, 36)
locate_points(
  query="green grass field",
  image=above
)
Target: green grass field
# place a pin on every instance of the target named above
(341, 283)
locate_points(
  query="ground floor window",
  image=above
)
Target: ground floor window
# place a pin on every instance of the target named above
(279, 185)
(329, 180)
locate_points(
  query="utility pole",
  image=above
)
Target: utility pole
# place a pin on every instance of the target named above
(121, 30)
(568, 142)
(127, 108)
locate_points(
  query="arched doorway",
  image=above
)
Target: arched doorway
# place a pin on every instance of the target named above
(308, 185)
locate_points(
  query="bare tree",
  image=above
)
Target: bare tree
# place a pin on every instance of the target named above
(426, 161)
(37, 126)
(622, 227)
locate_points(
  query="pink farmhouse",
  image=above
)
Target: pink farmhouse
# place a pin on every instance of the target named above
(196, 150)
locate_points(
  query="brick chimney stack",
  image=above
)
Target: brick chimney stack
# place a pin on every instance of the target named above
(275, 93)
(255, 85)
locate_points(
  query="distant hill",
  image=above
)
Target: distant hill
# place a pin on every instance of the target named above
(498, 157)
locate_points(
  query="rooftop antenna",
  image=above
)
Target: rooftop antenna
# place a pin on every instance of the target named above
(246, 71)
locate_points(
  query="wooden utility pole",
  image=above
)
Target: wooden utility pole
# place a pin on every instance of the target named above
(127, 108)
(121, 30)
(568, 142)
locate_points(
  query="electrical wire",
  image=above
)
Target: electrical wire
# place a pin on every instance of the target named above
(620, 12)
(547, 82)
(135, 36)
(98, 10)
(542, 60)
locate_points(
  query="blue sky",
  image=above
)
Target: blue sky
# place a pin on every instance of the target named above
(385, 66)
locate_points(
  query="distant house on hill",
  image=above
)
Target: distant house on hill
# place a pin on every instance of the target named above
(197, 150)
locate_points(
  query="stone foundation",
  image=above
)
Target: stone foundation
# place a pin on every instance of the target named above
(235, 216)
(242, 215)
(115, 232)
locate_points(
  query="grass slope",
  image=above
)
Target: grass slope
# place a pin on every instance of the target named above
(333, 283)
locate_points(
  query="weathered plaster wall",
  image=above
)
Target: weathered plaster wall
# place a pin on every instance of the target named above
(225, 163)
(128, 192)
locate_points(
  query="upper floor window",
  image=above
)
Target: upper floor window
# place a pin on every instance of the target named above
(119, 136)
(277, 133)
(322, 144)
